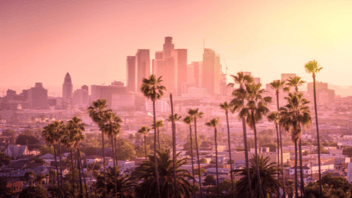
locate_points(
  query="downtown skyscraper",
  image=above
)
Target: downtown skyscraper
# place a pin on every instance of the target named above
(138, 67)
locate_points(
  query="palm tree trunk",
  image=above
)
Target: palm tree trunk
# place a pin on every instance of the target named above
(73, 176)
(102, 138)
(173, 144)
(256, 157)
(79, 171)
(280, 147)
(114, 158)
(216, 162)
(60, 165)
(318, 139)
(278, 156)
(158, 138)
(296, 178)
(300, 163)
(190, 138)
(200, 175)
(84, 178)
(246, 156)
(145, 146)
(229, 141)
(57, 172)
(155, 160)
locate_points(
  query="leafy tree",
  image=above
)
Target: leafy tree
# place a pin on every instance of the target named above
(39, 160)
(4, 191)
(23, 139)
(202, 171)
(146, 175)
(203, 161)
(209, 180)
(126, 151)
(34, 192)
(29, 175)
(40, 178)
(4, 160)
(11, 133)
(44, 149)
(268, 171)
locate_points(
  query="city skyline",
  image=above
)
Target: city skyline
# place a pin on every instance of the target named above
(92, 45)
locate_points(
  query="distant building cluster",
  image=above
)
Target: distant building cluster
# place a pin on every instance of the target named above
(179, 77)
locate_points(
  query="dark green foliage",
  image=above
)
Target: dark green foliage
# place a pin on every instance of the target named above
(268, 176)
(34, 192)
(4, 191)
(23, 138)
(4, 160)
(145, 173)
(332, 187)
(209, 180)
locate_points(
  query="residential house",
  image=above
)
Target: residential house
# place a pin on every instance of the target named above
(15, 151)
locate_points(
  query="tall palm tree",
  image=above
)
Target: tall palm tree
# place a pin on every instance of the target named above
(144, 131)
(52, 134)
(295, 82)
(159, 124)
(67, 141)
(145, 173)
(278, 85)
(241, 79)
(189, 120)
(227, 107)
(214, 123)
(76, 127)
(313, 68)
(267, 170)
(195, 113)
(173, 118)
(254, 109)
(112, 127)
(152, 89)
(292, 117)
(97, 112)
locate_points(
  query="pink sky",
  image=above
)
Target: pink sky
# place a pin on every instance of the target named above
(42, 40)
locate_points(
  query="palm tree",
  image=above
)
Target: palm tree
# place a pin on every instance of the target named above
(277, 85)
(295, 82)
(225, 106)
(270, 184)
(189, 120)
(195, 113)
(254, 110)
(52, 134)
(214, 123)
(241, 79)
(145, 173)
(144, 131)
(76, 127)
(292, 117)
(112, 127)
(312, 67)
(67, 141)
(173, 118)
(119, 186)
(97, 112)
(159, 124)
(152, 89)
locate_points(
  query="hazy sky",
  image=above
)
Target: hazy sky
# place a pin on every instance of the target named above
(42, 40)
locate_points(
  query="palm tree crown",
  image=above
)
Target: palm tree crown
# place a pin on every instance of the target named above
(145, 173)
(294, 82)
(152, 88)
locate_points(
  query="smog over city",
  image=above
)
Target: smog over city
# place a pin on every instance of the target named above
(177, 99)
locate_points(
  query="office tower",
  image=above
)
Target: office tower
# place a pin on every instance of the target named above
(211, 72)
(285, 77)
(131, 73)
(190, 75)
(81, 97)
(197, 73)
(38, 97)
(323, 94)
(181, 65)
(67, 88)
(142, 66)
(171, 64)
